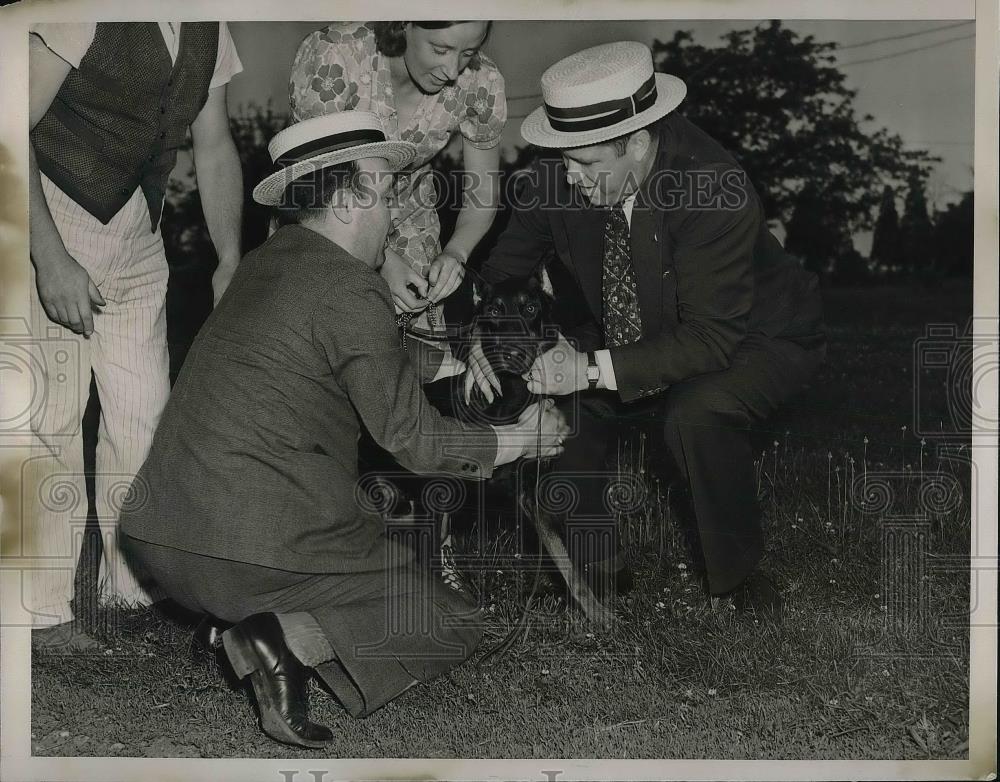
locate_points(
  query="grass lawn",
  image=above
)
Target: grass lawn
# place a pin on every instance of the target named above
(868, 532)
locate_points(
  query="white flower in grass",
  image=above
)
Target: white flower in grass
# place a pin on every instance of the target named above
(681, 566)
(713, 691)
(660, 604)
(545, 671)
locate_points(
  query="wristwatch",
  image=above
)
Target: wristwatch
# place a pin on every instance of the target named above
(593, 370)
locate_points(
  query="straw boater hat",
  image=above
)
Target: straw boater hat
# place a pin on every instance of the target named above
(599, 94)
(323, 141)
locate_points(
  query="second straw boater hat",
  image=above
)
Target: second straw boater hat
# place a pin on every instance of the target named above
(601, 93)
(327, 140)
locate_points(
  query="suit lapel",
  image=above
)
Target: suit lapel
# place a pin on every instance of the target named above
(585, 229)
(644, 239)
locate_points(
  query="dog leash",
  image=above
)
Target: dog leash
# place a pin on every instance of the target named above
(522, 622)
(404, 319)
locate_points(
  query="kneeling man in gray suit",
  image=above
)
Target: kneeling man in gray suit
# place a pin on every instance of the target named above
(247, 506)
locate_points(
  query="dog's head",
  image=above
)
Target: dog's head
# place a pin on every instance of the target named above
(514, 322)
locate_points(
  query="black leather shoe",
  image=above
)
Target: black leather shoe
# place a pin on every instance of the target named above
(758, 595)
(207, 637)
(256, 647)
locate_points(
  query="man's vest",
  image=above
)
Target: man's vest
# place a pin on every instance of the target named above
(119, 119)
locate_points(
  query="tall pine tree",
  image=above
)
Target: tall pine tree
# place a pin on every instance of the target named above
(916, 229)
(886, 241)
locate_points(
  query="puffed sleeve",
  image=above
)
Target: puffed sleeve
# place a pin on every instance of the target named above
(327, 70)
(485, 106)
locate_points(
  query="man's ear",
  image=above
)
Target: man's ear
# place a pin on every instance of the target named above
(343, 206)
(639, 142)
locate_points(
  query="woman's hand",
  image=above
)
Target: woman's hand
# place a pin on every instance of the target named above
(446, 274)
(407, 286)
(480, 373)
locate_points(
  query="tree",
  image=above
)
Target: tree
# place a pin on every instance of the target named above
(815, 234)
(916, 229)
(779, 104)
(953, 237)
(887, 240)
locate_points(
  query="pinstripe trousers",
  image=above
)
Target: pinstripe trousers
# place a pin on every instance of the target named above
(128, 355)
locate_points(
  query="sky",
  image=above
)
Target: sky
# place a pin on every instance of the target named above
(925, 96)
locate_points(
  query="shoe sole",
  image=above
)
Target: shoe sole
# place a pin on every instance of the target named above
(246, 662)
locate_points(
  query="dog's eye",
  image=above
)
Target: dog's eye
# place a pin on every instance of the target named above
(493, 311)
(530, 309)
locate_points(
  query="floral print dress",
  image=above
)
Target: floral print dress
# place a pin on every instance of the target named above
(339, 69)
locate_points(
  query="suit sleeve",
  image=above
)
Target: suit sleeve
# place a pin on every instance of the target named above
(713, 261)
(528, 235)
(383, 385)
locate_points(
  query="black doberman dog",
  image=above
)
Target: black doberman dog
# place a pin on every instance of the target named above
(513, 320)
(515, 327)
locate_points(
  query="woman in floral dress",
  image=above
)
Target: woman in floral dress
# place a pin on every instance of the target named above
(426, 80)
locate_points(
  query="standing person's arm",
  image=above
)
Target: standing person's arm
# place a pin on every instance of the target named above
(65, 289)
(220, 181)
(479, 208)
(481, 128)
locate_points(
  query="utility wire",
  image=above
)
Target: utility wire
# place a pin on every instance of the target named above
(839, 49)
(905, 35)
(905, 51)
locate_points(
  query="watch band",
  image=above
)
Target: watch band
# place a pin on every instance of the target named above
(593, 370)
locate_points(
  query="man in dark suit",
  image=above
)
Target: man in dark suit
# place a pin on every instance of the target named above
(248, 507)
(695, 312)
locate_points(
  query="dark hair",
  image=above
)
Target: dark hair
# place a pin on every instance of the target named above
(311, 193)
(390, 37)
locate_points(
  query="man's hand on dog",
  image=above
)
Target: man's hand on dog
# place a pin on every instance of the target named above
(533, 437)
(559, 371)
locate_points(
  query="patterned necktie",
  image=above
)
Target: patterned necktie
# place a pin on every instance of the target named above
(622, 325)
